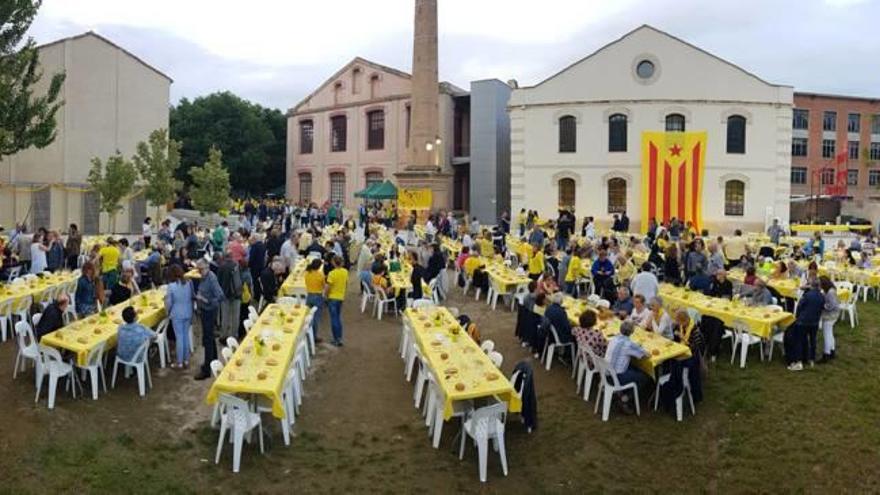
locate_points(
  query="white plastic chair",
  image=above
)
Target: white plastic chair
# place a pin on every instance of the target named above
(140, 364)
(519, 296)
(487, 346)
(238, 420)
(226, 354)
(743, 338)
(496, 292)
(553, 344)
(679, 401)
(848, 306)
(95, 368)
(232, 343)
(384, 303)
(216, 369)
(434, 411)
(484, 424)
(496, 358)
(56, 368)
(70, 312)
(162, 342)
(608, 385)
(422, 303)
(287, 401)
(27, 349)
(367, 296)
(586, 370)
(247, 325)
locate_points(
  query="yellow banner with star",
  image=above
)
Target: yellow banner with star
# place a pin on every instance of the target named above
(673, 166)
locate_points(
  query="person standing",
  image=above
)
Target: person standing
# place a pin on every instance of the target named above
(229, 277)
(800, 338)
(73, 246)
(830, 315)
(147, 231)
(337, 281)
(55, 255)
(179, 306)
(209, 297)
(315, 281)
(109, 255)
(39, 264)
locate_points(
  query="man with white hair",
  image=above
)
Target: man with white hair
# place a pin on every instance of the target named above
(645, 283)
(209, 297)
(557, 317)
(620, 353)
(288, 251)
(660, 321)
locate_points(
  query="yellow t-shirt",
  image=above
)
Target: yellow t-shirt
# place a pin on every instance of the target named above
(626, 271)
(337, 280)
(521, 219)
(536, 263)
(471, 264)
(109, 258)
(315, 281)
(574, 269)
(486, 247)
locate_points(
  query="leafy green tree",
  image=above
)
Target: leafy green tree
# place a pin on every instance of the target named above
(157, 163)
(210, 191)
(25, 119)
(112, 182)
(252, 139)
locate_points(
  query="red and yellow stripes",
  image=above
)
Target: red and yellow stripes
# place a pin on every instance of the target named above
(673, 165)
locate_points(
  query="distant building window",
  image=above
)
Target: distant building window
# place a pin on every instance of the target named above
(853, 122)
(828, 148)
(873, 177)
(852, 177)
(799, 147)
(829, 121)
(874, 153)
(827, 176)
(675, 122)
(566, 192)
(852, 149)
(736, 134)
(306, 136)
(337, 187)
(408, 118)
(798, 175)
(617, 132)
(616, 195)
(800, 119)
(373, 178)
(356, 81)
(734, 198)
(376, 130)
(645, 69)
(567, 134)
(305, 187)
(374, 86)
(337, 93)
(338, 126)
(875, 124)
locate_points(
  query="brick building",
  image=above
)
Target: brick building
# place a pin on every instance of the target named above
(832, 134)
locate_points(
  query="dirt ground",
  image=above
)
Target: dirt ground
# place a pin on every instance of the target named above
(762, 429)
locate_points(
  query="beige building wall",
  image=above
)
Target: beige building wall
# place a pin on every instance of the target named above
(113, 100)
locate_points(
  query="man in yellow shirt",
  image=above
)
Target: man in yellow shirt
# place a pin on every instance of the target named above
(575, 271)
(337, 281)
(536, 263)
(109, 255)
(521, 222)
(315, 280)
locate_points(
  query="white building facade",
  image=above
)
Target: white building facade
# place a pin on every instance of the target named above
(576, 136)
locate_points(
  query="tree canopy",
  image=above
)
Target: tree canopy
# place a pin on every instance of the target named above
(251, 138)
(210, 191)
(157, 164)
(25, 119)
(112, 183)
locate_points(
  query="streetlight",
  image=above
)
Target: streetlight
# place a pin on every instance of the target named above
(439, 156)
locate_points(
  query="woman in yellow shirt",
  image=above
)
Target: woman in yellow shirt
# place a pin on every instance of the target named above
(337, 281)
(575, 271)
(315, 293)
(536, 263)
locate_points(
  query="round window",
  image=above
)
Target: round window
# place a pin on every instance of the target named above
(645, 69)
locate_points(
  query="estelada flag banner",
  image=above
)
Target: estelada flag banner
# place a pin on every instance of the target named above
(673, 165)
(414, 199)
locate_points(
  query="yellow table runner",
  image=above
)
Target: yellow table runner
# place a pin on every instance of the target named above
(81, 336)
(828, 228)
(504, 277)
(260, 369)
(463, 371)
(295, 283)
(34, 288)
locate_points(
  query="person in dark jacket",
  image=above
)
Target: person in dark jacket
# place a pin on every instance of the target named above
(273, 244)
(671, 268)
(800, 338)
(524, 384)
(557, 316)
(269, 281)
(721, 285)
(435, 263)
(53, 316)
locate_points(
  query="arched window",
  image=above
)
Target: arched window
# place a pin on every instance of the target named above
(617, 132)
(373, 178)
(567, 134)
(616, 195)
(736, 134)
(305, 187)
(375, 130)
(734, 198)
(337, 187)
(566, 193)
(675, 122)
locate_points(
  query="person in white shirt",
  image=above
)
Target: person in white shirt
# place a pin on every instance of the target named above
(660, 321)
(288, 251)
(147, 230)
(641, 314)
(645, 283)
(430, 230)
(467, 241)
(38, 255)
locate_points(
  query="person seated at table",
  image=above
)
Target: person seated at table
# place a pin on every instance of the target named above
(131, 335)
(602, 271)
(270, 281)
(463, 256)
(780, 271)
(864, 261)
(640, 314)
(381, 284)
(626, 270)
(699, 281)
(623, 305)
(794, 270)
(619, 355)
(536, 263)
(671, 267)
(588, 336)
(760, 295)
(88, 291)
(547, 283)
(751, 276)
(660, 322)
(688, 333)
(721, 285)
(811, 276)
(393, 260)
(557, 317)
(125, 287)
(575, 270)
(52, 317)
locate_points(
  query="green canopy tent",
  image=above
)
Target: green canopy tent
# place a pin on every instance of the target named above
(385, 190)
(364, 193)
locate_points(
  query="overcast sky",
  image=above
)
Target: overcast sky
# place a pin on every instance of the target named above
(275, 52)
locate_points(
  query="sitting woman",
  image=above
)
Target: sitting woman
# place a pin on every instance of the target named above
(547, 284)
(125, 287)
(88, 291)
(688, 333)
(780, 270)
(750, 277)
(588, 336)
(380, 281)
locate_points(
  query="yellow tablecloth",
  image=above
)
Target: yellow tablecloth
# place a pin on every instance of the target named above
(522, 249)
(295, 283)
(81, 336)
(503, 276)
(761, 320)
(193, 274)
(35, 289)
(828, 228)
(860, 276)
(786, 287)
(463, 371)
(262, 371)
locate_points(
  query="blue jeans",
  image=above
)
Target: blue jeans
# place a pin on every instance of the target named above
(181, 336)
(315, 300)
(334, 307)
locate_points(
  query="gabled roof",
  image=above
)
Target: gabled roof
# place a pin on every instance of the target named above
(445, 87)
(663, 33)
(114, 45)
